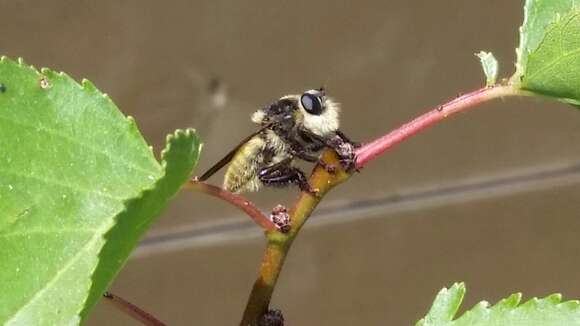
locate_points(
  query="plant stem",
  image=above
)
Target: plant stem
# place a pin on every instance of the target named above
(236, 200)
(279, 244)
(372, 150)
(132, 310)
(272, 262)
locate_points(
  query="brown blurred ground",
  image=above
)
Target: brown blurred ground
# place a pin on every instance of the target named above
(488, 197)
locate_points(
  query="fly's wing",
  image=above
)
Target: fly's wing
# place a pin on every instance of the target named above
(224, 161)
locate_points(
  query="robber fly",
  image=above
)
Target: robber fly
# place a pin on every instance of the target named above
(295, 126)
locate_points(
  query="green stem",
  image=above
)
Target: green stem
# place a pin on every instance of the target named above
(278, 244)
(236, 200)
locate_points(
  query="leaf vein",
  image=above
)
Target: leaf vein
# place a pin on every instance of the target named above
(61, 184)
(45, 231)
(553, 63)
(58, 274)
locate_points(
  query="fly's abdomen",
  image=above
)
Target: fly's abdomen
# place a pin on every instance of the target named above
(242, 173)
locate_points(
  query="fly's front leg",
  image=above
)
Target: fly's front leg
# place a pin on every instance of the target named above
(309, 157)
(342, 145)
(345, 150)
(347, 139)
(282, 175)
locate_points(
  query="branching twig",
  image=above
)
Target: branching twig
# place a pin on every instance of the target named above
(239, 201)
(132, 310)
(279, 244)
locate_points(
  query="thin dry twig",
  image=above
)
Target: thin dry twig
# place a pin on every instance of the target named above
(132, 310)
(236, 200)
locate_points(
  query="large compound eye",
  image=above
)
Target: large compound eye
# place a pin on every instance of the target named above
(311, 103)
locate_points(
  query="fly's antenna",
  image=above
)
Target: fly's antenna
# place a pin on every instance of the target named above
(324, 86)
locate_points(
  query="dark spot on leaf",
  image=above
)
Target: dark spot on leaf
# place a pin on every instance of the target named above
(2, 88)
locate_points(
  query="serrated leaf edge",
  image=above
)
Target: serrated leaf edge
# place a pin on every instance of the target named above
(511, 303)
(170, 139)
(519, 50)
(521, 59)
(87, 86)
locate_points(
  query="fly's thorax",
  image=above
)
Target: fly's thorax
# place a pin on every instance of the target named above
(276, 145)
(280, 111)
(259, 116)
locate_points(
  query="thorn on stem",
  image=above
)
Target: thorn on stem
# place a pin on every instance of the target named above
(280, 218)
(273, 317)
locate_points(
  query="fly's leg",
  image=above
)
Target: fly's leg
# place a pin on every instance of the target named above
(282, 175)
(308, 157)
(347, 139)
(342, 145)
(345, 151)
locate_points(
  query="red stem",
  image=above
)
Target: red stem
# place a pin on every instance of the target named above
(371, 150)
(132, 310)
(236, 200)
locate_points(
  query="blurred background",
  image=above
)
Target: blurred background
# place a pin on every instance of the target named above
(489, 197)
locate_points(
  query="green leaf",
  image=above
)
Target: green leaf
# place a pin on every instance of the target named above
(74, 172)
(549, 52)
(489, 65)
(445, 306)
(549, 311)
(538, 14)
(179, 158)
